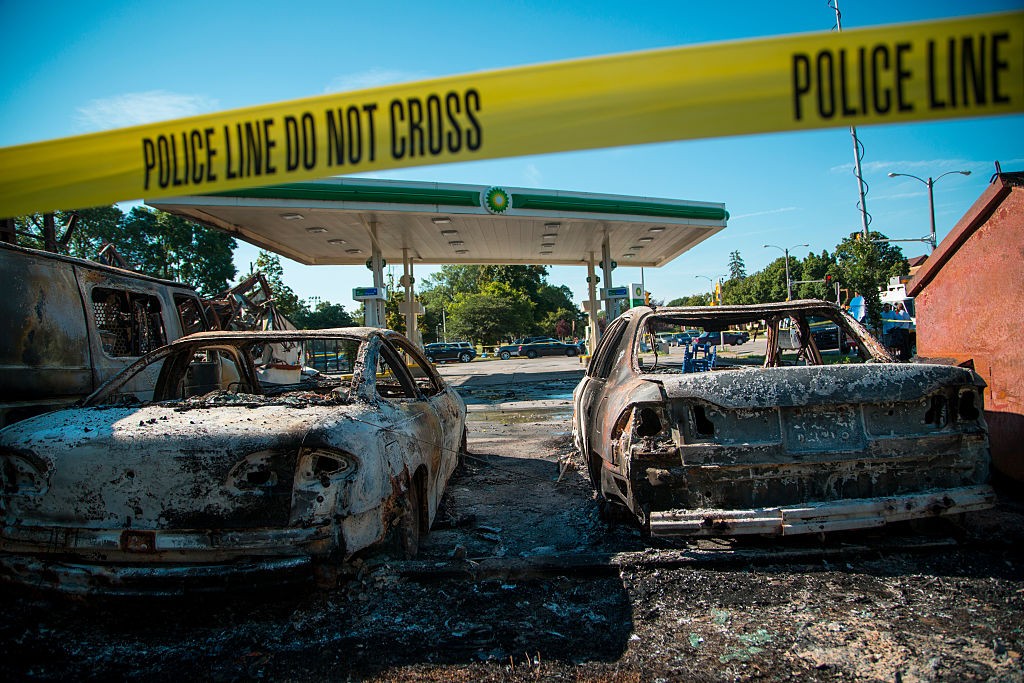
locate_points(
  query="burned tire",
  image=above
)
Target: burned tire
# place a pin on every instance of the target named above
(504, 355)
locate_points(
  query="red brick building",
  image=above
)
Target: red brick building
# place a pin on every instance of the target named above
(968, 298)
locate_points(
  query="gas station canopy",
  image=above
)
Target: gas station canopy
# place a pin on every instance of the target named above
(339, 221)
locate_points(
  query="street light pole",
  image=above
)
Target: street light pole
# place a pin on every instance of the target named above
(712, 281)
(785, 251)
(930, 184)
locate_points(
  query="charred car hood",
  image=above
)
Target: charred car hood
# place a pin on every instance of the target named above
(121, 430)
(819, 385)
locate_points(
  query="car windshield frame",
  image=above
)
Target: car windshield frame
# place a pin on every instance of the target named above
(719, 319)
(186, 347)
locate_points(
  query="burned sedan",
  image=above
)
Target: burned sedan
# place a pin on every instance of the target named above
(789, 442)
(256, 456)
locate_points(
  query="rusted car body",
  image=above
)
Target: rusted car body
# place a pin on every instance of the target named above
(67, 325)
(219, 478)
(794, 445)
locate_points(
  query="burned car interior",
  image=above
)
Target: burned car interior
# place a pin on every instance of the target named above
(329, 368)
(793, 337)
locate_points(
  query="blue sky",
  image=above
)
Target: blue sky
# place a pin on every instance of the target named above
(73, 68)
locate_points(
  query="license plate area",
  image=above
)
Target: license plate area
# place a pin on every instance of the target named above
(823, 429)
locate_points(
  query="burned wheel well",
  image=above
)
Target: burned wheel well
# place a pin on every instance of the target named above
(419, 480)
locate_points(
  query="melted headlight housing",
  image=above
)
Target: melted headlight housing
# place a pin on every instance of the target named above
(23, 473)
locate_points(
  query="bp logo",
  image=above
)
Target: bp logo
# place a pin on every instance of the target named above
(495, 200)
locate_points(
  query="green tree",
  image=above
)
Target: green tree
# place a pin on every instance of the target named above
(498, 311)
(816, 267)
(452, 280)
(151, 242)
(526, 279)
(556, 312)
(326, 315)
(703, 299)
(394, 318)
(737, 269)
(864, 266)
(94, 228)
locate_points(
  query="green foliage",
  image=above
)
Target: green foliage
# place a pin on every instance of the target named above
(863, 266)
(394, 319)
(452, 280)
(737, 269)
(556, 315)
(326, 315)
(464, 292)
(528, 279)
(692, 300)
(763, 286)
(151, 242)
(816, 268)
(496, 312)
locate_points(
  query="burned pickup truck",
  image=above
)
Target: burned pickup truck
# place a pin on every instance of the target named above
(693, 443)
(217, 474)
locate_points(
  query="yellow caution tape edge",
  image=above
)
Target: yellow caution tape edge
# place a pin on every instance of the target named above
(934, 70)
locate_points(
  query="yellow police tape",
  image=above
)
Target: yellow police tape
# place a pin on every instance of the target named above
(932, 70)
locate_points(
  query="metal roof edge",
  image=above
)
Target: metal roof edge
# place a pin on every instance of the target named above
(439, 195)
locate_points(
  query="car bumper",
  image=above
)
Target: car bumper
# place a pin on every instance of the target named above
(818, 517)
(129, 562)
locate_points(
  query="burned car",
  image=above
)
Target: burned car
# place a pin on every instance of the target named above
(218, 474)
(800, 442)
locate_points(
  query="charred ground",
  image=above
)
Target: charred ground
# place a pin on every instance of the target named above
(520, 580)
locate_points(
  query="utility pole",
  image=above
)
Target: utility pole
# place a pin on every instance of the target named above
(858, 148)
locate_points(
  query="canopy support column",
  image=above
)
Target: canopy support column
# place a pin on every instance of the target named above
(374, 315)
(411, 304)
(594, 330)
(610, 305)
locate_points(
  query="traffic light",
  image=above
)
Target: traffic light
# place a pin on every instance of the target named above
(647, 298)
(829, 280)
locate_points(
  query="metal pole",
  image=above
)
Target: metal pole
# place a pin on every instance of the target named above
(931, 209)
(595, 329)
(610, 309)
(789, 287)
(856, 146)
(932, 239)
(372, 307)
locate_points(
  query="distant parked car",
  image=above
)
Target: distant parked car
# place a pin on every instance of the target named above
(508, 350)
(665, 338)
(793, 446)
(449, 351)
(682, 338)
(216, 475)
(731, 337)
(828, 336)
(548, 347)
